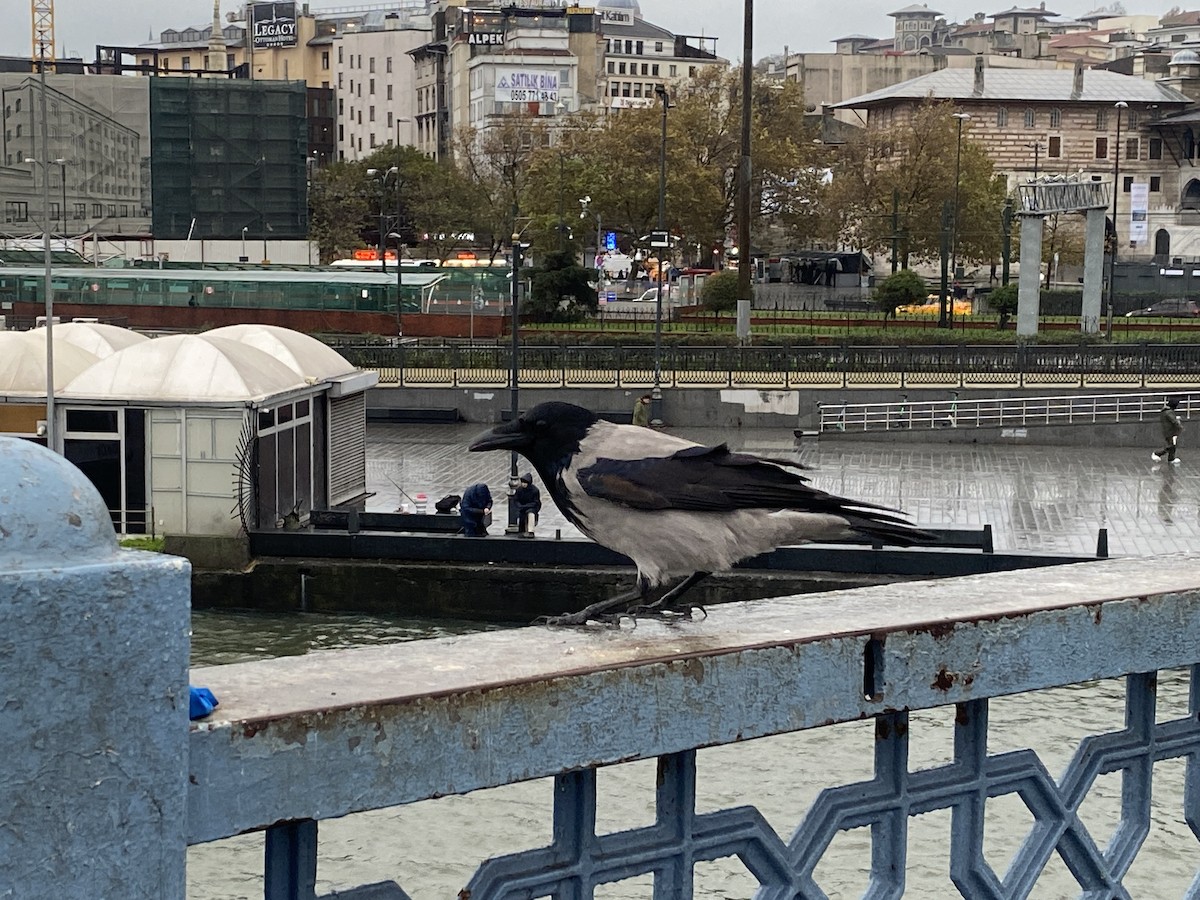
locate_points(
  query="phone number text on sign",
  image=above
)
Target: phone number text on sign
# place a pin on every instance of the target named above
(519, 96)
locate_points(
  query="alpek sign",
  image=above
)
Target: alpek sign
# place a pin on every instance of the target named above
(273, 25)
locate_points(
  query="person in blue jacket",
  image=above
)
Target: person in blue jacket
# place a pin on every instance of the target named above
(475, 510)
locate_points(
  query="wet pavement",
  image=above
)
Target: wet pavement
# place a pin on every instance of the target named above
(1037, 499)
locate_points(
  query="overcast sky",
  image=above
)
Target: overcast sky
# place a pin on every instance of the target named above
(807, 25)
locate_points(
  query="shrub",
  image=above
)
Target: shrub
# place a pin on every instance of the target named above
(901, 289)
(720, 292)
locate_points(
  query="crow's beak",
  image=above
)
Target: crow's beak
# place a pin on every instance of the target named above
(508, 436)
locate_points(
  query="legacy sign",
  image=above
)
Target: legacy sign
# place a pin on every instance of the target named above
(273, 25)
(526, 85)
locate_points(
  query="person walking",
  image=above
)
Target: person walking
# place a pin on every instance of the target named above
(475, 510)
(641, 411)
(529, 505)
(1172, 428)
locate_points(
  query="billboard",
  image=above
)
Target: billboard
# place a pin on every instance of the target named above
(1139, 203)
(526, 84)
(273, 25)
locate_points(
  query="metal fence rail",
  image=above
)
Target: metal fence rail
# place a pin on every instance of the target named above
(783, 367)
(1000, 412)
(317, 737)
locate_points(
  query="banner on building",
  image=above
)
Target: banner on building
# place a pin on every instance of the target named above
(1139, 205)
(614, 16)
(526, 84)
(273, 25)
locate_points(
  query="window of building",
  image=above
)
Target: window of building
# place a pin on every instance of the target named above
(658, 46)
(370, 114)
(340, 82)
(324, 59)
(1056, 118)
(672, 70)
(637, 89)
(1132, 118)
(360, 117)
(612, 67)
(639, 47)
(629, 48)
(389, 92)
(388, 65)
(691, 71)
(371, 87)
(620, 68)
(146, 62)
(1155, 184)
(1102, 120)
(1133, 148)
(80, 211)
(16, 211)
(645, 68)
(341, 107)
(564, 77)
(352, 86)
(1101, 148)
(97, 210)
(372, 140)
(654, 70)
(1030, 117)
(614, 89)
(1155, 148)
(626, 89)
(230, 62)
(390, 121)
(359, 60)
(1002, 117)
(340, 54)
(371, 65)
(1126, 184)
(1178, 38)
(186, 63)
(1054, 147)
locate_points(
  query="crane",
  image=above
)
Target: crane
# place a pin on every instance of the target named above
(43, 34)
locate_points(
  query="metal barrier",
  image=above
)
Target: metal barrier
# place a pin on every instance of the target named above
(784, 367)
(1001, 412)
(425, 719)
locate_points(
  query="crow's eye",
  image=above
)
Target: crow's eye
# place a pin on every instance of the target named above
(541, 425)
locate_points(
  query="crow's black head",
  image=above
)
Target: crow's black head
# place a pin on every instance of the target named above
(546, 435)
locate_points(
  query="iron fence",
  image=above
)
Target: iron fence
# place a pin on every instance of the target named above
(783, 367)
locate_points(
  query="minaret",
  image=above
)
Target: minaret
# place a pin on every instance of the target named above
(216, 41)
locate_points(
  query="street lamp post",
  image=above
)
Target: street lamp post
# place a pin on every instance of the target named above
(743, 181)
(656, 396)
(382, 175)
(62, 174)
(47, 278)
(514, 376)
(1036, 147)
(1112, 256)
(961, 117)
(244, 258)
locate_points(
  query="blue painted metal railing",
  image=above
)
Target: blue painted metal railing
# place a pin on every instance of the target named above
(303, 739)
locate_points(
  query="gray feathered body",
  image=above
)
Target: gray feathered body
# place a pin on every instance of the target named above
(675, 507)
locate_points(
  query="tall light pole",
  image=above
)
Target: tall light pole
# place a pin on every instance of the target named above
(961, 117)
(663, 239)
(1112, 257)
(47, 279)
(515, 388)
(743, 193)
(62, 175)
(382, 175)
(1036, 147)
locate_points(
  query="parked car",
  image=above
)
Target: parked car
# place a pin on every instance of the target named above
(652, 294)
(1175, 307)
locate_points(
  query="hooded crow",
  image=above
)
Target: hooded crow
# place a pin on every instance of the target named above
(674, 507)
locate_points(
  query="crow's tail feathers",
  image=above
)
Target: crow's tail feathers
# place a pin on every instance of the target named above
(888, 529)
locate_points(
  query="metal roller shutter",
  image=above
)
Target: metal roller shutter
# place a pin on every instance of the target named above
(347, 448)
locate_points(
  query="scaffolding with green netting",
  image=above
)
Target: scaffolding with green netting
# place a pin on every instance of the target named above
(227, 159)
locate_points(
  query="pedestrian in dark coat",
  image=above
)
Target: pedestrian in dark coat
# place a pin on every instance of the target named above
(475, 510)
(1172, 428)
(529, 505)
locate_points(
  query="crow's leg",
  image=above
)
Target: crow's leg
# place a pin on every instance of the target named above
(671, 597)
(603, 606)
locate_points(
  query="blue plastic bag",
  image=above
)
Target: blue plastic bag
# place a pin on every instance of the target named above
(201, 702)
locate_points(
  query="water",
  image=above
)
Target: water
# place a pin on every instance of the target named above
(431, 849)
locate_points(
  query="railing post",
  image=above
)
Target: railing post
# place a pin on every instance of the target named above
(94, 704)
(290, 863)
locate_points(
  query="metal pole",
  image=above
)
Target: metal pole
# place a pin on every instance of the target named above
(562, 224)
(514, 375)
(382, 225)
(1112, 257)
(895, 228)
(656, 395)
(62, 166)
(743, 199)
(48, 284)
(954, 227)
(399, 258)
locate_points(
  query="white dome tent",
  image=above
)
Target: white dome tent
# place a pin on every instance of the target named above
(195, 434)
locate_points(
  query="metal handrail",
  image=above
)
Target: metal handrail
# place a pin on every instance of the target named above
(998, 412)
(785, 366)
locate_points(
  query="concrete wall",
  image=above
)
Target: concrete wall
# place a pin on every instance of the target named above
(93, 694)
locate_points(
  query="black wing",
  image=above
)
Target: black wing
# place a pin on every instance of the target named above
(710, 479)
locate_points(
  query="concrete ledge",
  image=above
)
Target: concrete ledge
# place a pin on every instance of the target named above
(223, 553)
